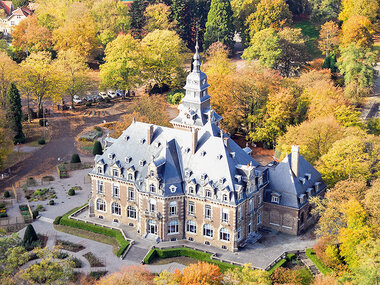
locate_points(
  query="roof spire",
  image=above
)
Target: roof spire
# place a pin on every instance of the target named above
(197, 57)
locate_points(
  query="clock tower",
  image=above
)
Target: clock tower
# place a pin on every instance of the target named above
(195, 109)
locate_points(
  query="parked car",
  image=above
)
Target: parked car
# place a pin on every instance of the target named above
(111, 94)
(120, 93)
(103, 95)
(77, 100)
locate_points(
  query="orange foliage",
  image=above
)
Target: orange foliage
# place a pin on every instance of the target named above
(201, 273)
(358, 30)
(324, 280)
(283, 275)
(134, 274)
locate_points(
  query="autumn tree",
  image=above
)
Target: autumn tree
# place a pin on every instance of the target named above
(329, 38)
(358, 30)
(6, 144)
(162, 59)
(324, 10)
(269, 14)
(31, 36)
(199, 273)
(76, 79)
(133, 274)
(8, 73)
(283, 275)
(136, 14)
(219, 26)
(158, 18)
(247, 275)
(366, 8)
(14, 114)
(122, 68)
(182, 12)
(20, 3)
(242, 9)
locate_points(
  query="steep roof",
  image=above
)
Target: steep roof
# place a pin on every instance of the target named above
(6, 6)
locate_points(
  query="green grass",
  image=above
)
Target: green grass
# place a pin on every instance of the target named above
(183, 251)
(311, 31)
(281, 262)
(310, 253)
(65, 221)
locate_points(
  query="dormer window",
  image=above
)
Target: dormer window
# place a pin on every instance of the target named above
(157, 144)
(152, 188)
(221, 180)
(130, 176)
(142, 141)
(142, 162)
(309, 192)
(302, 180)
(128, 159)
(238, 178)
(187, 173)
(126, 138)
(203, 153)
(308, 176)
(275, 199)
(100, 170)
(115, 172)
(208, 194)
(225, 198)
(302, 198)
(240, 195)
(203, 176)
(111, 156)
(172, 188)
(152, 173)
(191, 190)
(219, 156)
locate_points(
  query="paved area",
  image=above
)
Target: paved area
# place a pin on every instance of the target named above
(371, 108)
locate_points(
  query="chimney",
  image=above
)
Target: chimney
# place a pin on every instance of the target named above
(295, 158)
(150, 134)
(194, 140)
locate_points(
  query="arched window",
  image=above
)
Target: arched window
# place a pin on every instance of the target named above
(130, 176)
(100, 205)
(208, 230)
(191, 227)
(116, 209)
(191, 190)
(131, 212)
(152, 188)
(100, 170)
(173, 227)
(225, 198)
(224, 234)
(173, 208)
(152, 205)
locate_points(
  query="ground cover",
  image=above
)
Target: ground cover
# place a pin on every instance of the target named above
(40, 194)
(70, 246)
(310, 253)
(93, 260)
(105, 232)
(25, 211)
(156, 253)
(312, 32)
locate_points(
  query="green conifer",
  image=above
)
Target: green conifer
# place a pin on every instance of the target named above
(97, 149)
(14, 114)
(136, 13)
(30, 238)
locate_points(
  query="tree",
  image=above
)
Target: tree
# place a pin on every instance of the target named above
(269, 14)
(14, 114)
(75, 71)
(30, 238)
(40, 79)
(19, 3)
(162, 59)
(13, 259)
(133, 274)
(283, 275)
(97, 149)
(199, 273)
(314, 137)
(75, 158)
(136, 14)
(6, 143)
(242, 9)
(158, 18)
(324, 10)
(219, 26)
(122, 68)
(30, 36)
(329, 38)
(217, 60)
(247, 275)
(356, 64)
(8, 73)
(78, 32)
(358, 30)
(366, 8)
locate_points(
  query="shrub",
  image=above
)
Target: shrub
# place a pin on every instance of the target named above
(71, 192)
(41, 141)
(23, 208)
(286, 276)
(51, 202)
(175, 98)
(77, 263)
(57, 220)
(93, 260)
(75, 158)
(88, 104)
(7, 194)
(97, 149)
(97, 128)
(62, 255)
(3, 215)
(107, 100)
(2, 206)
(43, 122)
(40, 208)
(35, 213)
(30, 239)
(97, 274)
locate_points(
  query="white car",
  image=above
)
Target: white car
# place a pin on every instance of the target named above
(120, 93)
(103, 95)
(77, 100)
(112, 94)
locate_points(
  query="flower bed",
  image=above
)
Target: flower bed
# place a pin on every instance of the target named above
(93, 260)
(70, 246)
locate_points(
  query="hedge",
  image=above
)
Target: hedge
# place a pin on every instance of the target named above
(310, 253)
(65, 221)
(183, 251)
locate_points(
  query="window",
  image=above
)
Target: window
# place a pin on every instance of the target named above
(152, 205)
(130, 176)
(191, 227)
(225, 198)
(191, 189)
(116, 209)
(173, 208)
(239, 234)
(224, 234)
(251, 206)
(131, 194)
(208, 231)
(208, 193)
(260, 199)
(240, 195)
(152, 188)
(239, 213)
(208, 212)
(203, 176)
(131, 212)
(115, 172)
(100, 205)
(173, 227)
(225, 215)
(259, 218)
(12, 23)
(275, 199)
(191, 208)
(302, 218)
(250, 227)
(100, 169)
(151, 173)
(309, 215)
(100, 187)
(115, 191)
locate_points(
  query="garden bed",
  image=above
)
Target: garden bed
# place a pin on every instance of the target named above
(40, 194)
(70, 246)
(310, 253)
(93, 260)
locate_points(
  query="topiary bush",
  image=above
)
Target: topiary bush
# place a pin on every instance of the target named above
(174, 97)
(7, 194)
(75, 158)
(41, 141)
(51, 202)
(97, 149)
(71, 192)
(57, 220)
(35, 214)
(30, 239)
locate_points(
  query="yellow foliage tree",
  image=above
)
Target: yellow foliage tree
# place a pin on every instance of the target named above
(366, 8)
(157, 17)
(358, 30)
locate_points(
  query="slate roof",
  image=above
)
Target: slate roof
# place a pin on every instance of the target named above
(283, 182)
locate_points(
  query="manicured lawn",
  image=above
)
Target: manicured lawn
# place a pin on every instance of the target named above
(183, 251)
(115, 234)
(310, 253)
(281, 262)
(312, 32)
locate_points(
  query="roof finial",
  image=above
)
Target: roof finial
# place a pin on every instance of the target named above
(196, 43)
(197, 57)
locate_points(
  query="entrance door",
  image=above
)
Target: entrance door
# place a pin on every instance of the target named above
(152, 227)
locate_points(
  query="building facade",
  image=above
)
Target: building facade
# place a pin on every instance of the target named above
(193, 181)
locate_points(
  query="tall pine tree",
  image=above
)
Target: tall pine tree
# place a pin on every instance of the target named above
(183, 14)
(14, 114)
(219, 24)
(136, 13)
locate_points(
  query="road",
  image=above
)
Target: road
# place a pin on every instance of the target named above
(371, 108)
(65, 127)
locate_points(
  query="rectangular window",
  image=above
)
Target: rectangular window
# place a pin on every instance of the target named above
(259, 218)
(239, 234)
(260, 198)
(191, 208)
(131, 194)
(275, 199)
(250, 227)
(152, 207)
(191, 190)
(115, 191)
(115, 172)
(208, 193)
(224, 215)
(208, 212)
(173, 210)
(239, 213)
(251, 207)
(100, 187)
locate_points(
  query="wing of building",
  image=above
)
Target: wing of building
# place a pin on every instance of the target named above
(194, 182)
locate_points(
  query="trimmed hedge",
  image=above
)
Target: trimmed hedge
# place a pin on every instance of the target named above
(183, 251)
(310, 253)
(65, 221)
